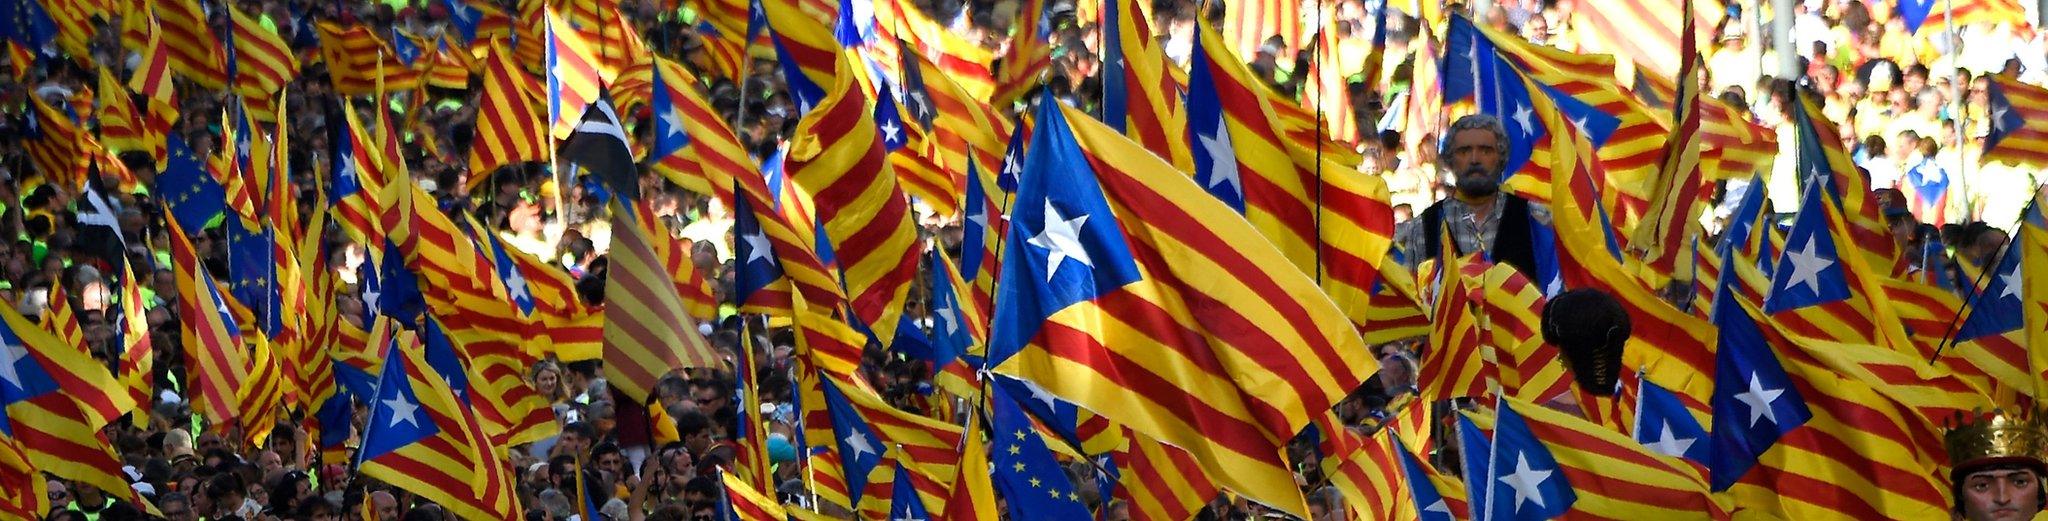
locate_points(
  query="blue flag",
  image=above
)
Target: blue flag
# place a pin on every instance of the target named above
(1810, 270)
(906, 505)
(1033, 484)
(1216, 168)
(194, 197)
(860, 450)
(1429, 502)
(2000, 308)
(670, 135)
(1475, 450)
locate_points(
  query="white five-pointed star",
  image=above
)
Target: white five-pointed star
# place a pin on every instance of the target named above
(371, 298)
(2012, 281)
(1222, 160)
(10, 355)
(462, 12)
(1759, 400)
(1998, 119)
(1670, 444)
(1439, 507)
(1040, 394)
(946, 314)
(1522, 122)
(979, 217)
(515, 285)
(858, 443)
(890, 131)
(674, 119)
(1807, 265)
(1010, 167)
(1062, 238)
(402, 411)
(1527, 482)
(758, 248)
(1580, 124)
(908, 516)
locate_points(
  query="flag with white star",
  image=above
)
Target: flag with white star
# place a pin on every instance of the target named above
(757, 266)
(2001, 307)
(1524, 479)
(1216, 167)
(1475, 451)
(860, 450)
(670, 135)
(1032, 483)
(889, 120)
(1474, 66)
(1754, 402)
(1665, 425)
(2019, 123)
(420, 438)
(905, 504)
(1430, 502)
(1810, 272)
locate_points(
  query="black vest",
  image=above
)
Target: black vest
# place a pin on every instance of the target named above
(1511, 243)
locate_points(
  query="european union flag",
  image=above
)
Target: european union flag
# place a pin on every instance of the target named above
(669, 133)
(193, 195)
(1525, 478)
(859, 448)
(1065, 245)
(1810, 271)
(396, 418)
(2000, 308)
(27, 24)
(252, 268)
(1665, 426)
(1063, 417)
(356, 383)
(1475, 451)
(1216, 168)
(1429, 502)
(335, 414)
(1032, 483)
(1754, 402)
(906, 505)
(22, 376)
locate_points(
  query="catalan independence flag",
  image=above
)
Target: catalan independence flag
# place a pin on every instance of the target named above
(52, 398)
(213, 343)
(741, 502)
(1137, 94)
(575, 77)
(838, 158)
(506, 123)
(419, 438)
(1604, 474)
(1676, 195)
(1107, 246)
(2019, 123)
(647, 330)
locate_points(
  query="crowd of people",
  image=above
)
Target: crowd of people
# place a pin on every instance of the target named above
(1911, 107)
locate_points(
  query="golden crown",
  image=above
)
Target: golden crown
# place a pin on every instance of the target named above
(1989, 437)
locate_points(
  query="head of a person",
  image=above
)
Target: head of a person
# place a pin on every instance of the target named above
(1475, 154)
(696, 430)
(606, 457)
(385, 504)
(176, 507)
(1997, 465)
(1589, 327)
(223, 494)
(576, 437)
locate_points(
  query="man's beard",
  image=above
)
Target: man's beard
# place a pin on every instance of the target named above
(1475, 181)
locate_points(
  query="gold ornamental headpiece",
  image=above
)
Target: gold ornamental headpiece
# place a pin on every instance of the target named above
(1981, 439)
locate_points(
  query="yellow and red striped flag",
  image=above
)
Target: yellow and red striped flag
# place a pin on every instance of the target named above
(420, 438)
(837, 156)
(1677, 192)
(575, 75)
(1366, 469)
(57, 146)
(136, 367)
(1026, 59)
(1248, 25)
(748, 504)
(260, 62)
(506, 129)
(2019, 123)
(122, 128)
(213, 343)
(903, 29)
(1160, 481)
(973, 497)
(60, 320)
(1613, 475)
(357, 59)
(1114, 257)
(1458, 362)
(647, 331)
(1645, 34)
(1529, 368)
(1139, 98)
(59, 401)
(194, 50)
